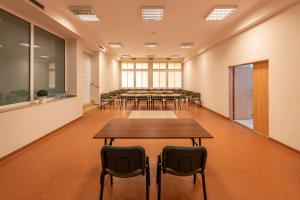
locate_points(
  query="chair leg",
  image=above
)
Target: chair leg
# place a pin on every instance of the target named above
(157, 169)
(111, 180)
(158, 178)
(147, 188)
(147, 178)
(195, 178)
(203, 185)
(159, 186)
(102, 185)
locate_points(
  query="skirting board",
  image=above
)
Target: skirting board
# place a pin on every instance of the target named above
(271, 139)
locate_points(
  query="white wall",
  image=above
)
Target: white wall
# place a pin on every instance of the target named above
(277, 40)
(109, 73)
(21, 127)
(86, 78)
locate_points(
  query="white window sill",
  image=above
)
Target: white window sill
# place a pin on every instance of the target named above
(17, 106)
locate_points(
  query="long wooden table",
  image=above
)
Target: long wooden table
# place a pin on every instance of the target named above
(153, 129)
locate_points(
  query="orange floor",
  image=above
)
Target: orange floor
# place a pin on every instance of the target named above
(66, 166)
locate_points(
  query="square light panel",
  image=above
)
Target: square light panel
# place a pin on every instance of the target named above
(115, 45)
(84, 13)
(152, 14)
(125, 56)
(151, 45)
(220, 13)
(187, 45)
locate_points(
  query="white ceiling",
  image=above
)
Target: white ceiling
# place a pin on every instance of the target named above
(184, 21)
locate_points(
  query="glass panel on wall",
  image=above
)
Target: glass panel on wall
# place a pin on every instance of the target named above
(130, 80)
(141, 79)
(127, 75)
(141, 66)
(14, 59)
(163, 79)
(178, 66)
(171, 79)
(178, 77)
(155, 79)
(49, 62)
(174, 75)
(124, 78)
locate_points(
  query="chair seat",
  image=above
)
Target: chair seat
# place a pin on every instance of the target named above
(173, 172)
(125, 175)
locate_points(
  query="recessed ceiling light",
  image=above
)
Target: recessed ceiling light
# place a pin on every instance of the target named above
(151, 14)
(151, 45)
(126, 56)
(1, 45)
(187, 45)
(28, 45)
(220, 13)
(85, 13)
(115, 45)
(46, 57)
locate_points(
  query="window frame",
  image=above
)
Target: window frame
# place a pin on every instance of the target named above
(32, 24)
(151, 71)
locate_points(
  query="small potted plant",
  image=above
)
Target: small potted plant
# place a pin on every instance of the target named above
(42, 95)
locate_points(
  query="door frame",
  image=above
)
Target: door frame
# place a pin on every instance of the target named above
(231, 84)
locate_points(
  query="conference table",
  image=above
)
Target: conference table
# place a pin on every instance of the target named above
(153, 129)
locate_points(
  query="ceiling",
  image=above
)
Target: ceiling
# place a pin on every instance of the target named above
(184, 21)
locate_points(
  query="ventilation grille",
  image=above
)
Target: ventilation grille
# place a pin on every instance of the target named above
(84, 13)
(37, 4)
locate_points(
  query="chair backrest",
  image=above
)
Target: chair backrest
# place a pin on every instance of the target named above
(123, 161)
(112, 93)
(104, 96)
(196, 95)
(183, 160)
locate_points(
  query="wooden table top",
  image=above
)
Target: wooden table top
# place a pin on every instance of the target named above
(152, 129)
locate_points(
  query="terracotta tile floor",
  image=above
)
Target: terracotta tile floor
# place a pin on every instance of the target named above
(66, 165)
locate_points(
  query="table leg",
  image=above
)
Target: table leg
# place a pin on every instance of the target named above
(195, 143)
(111, 141)
(105, 141)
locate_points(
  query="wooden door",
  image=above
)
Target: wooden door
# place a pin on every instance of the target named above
(243, 84)
(261, 97)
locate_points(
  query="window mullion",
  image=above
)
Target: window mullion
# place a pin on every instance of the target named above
(31, 61)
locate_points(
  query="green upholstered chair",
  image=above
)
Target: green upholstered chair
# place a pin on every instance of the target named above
(104, 100)
(195, 98)
(124, 162)
(182, 161)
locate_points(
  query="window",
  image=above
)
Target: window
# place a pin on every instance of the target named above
(141, 75)
(159, 75)
(127, 75)
(49, 62)
(14, 59)
(163, 74)
(174, 75)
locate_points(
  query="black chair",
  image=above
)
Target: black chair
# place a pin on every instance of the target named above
(124, 162)
(182, 161)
